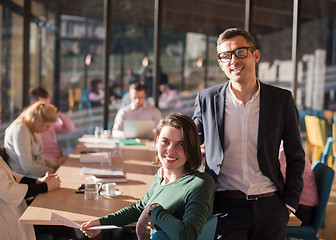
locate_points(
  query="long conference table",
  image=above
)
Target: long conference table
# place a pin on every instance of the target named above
(136, 160)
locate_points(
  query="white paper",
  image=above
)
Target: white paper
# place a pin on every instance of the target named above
(67, 222)
(97, 140)
(99, 157)
(100, 145)
(63, 221)
(102, 171)
(103, 227)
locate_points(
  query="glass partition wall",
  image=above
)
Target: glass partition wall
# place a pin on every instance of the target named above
(67, 42)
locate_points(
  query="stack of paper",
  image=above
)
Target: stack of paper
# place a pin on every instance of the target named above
(91, 142)
(99, 157)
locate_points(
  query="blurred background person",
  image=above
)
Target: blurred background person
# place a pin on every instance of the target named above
(14, 189)
(115, 92)
(148, 81)
(170, 98)
(138, 109)
(130, 79)
(23, 142)
(309, 197)
(51, 151)
(96, 94)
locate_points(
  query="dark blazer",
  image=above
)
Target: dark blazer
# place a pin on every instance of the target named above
(278, 120)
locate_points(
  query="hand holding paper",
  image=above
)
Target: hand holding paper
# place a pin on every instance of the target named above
(67, 222)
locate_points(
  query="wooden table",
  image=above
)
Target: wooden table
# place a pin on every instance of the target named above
(136, 161)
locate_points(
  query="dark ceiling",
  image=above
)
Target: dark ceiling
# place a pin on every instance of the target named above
(203, 16)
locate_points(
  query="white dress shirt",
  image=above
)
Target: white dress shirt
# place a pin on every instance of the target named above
(129, 112)
(240, 169)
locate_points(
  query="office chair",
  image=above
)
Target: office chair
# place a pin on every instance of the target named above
(324, 177)
(207, 233)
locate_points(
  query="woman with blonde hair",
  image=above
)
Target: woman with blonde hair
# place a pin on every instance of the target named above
(23, 141)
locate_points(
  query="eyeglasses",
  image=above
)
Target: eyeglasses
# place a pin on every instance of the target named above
(240, 53)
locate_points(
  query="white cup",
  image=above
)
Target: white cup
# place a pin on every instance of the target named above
(91, 189)
(110, 189)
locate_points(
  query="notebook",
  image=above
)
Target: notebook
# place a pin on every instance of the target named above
(139, 129)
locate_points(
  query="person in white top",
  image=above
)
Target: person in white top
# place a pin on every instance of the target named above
(138, 109)
(242, 123)
(170, 98)
(14, 189)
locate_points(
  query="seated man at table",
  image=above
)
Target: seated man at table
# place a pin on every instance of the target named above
(138, 109)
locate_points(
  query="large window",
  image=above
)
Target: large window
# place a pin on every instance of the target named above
(67, 38)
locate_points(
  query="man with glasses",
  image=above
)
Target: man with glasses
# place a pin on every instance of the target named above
(242, 123)
(138, 109)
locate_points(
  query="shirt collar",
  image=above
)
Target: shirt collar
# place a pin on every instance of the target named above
(253, 97)
(133, 106)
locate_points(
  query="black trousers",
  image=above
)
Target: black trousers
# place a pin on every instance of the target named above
(305, 214)
(241, 219)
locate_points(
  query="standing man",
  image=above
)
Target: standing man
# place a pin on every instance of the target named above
(242, 123)
(138, 109)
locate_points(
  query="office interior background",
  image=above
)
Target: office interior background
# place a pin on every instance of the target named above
(61, 46)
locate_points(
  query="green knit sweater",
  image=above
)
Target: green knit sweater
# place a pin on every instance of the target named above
(186, 205)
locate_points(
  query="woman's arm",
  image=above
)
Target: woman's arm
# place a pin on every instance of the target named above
(63, 124)
(131, 213)
(45, 184)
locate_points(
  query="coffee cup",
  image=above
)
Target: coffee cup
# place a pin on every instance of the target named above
(110, 189)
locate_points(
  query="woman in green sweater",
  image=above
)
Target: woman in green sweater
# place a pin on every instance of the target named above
(180, 201)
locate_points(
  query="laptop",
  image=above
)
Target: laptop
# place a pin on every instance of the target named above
(139, 129)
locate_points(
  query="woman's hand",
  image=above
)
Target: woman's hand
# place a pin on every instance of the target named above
(90, 233)
(144, 220)
(52, 180)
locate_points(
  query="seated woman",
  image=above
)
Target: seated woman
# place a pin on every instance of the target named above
(309, 196)
(181, 201)
(23, 141)
(14, 189)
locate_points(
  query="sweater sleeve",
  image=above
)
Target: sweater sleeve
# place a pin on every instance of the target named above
(131, 213)
(63, 124)
(28, 180)
(34, 189)
(198, 208)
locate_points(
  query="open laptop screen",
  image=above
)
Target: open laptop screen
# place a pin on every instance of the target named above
(139, 129)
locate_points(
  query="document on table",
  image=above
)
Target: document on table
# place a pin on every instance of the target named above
(92, 142)
(97, 157)
(67, 222)
(97, 140)
(102, 171)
